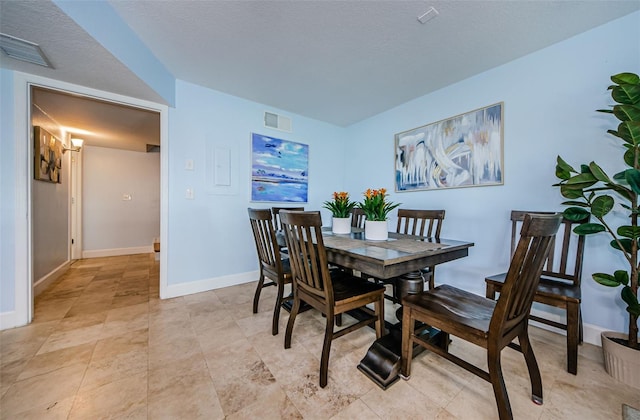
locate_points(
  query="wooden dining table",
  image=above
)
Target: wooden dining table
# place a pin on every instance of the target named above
(400, 255)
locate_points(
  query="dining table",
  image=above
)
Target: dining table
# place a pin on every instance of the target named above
(400, 257)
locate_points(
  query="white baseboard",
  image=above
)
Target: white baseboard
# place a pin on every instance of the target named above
(40, 285)
(10, 320)
(591, 333)
(97, 253)
(183, 289)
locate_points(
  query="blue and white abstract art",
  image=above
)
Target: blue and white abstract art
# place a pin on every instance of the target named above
(279, 170)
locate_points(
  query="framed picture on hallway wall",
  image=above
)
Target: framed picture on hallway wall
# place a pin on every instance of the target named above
(461, 151)
(48, 156)
(279, 170)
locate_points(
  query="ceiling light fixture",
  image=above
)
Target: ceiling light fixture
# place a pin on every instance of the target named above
(77, 145)
(23, 50)
(428, 15)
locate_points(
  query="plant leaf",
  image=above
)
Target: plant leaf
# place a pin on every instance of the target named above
(629, 78)
(570, 192)
(632, 232)
(629, 131)
(621, 277)
(605, 279)
(598, 173)
(634, 310)
(629, 157)
(602, 205)
(563, 168)
(627, 112)
(626, 93)
(575, 213)
(575, 203)
(633, 178)
(626, 244)
(588, 228)
(628, 296)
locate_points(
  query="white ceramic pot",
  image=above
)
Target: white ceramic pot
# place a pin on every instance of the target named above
(376, 230)
(620, 361)
(341, 225)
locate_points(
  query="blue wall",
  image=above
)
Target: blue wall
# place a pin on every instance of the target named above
(550, 98)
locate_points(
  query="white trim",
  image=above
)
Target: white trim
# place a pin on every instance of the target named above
(23, 312)
(10, 320)
(183, 289)
(114, 252)
(590, 332)
(40, 285)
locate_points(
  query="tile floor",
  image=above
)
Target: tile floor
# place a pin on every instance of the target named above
(103, 345)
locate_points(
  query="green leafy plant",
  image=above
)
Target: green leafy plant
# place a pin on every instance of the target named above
(341, 206)
(591, 191)
(375, 205)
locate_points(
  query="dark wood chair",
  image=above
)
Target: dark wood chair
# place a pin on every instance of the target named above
(559, 284)
(330, 292)
(276, 214)
(358, 218)
(273, 266)
(490, 324)
(427, 223)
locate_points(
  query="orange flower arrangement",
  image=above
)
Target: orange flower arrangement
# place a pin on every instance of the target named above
(375, 205)
(340, 206)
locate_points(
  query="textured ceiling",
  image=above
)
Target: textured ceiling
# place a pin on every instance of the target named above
(335, 61)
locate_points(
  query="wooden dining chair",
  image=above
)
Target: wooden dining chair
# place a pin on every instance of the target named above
(427, 223)
(490, 324)
(358, 218)
(273, 267)
(276, 215)
(559, 284)
(330, 292)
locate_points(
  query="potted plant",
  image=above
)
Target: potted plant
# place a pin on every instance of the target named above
(376, 208)
(591, 191)
(340, 208)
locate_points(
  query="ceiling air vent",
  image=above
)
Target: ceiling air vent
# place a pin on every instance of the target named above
(276, 121)
(23, 50)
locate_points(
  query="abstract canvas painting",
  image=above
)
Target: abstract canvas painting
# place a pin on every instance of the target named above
(462, 151)
(48, 156)
(279, 170)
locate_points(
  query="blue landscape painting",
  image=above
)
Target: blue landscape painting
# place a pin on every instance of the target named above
(279, 170)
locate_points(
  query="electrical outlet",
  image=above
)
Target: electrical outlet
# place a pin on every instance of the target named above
(189, 194)
(126, 197)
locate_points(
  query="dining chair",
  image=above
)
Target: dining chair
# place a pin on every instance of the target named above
(487, 323)
(358, 218)
(273, 266)
(276, 215)
(427, 223)
(559, 284)
(332, 292)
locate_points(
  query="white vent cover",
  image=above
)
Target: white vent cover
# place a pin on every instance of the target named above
(276, 121)
(23, 50)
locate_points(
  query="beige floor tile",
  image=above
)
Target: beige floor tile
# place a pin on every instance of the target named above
(42, 391)
(400, 401)
(272, 405)
(54, 360)
(126, 398)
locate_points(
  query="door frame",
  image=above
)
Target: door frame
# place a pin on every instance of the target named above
(24, 169)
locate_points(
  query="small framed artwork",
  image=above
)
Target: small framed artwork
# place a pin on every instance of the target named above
(48, 156)
(279, 170)
(461, 151)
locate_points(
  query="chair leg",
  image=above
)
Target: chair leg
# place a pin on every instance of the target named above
(532, 366)
(407, 343)
(379, 309)
(276, 310)
(573, 336)
(292, 319)
(339, 320)
(256, 297)
(497, 381)
(326, 350)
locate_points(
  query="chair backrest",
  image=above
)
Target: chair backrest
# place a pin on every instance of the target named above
(307, 255)
(266, 243)
(516, 296)
(276, 214)
(358, 218)
(420, 222)
(565, 259)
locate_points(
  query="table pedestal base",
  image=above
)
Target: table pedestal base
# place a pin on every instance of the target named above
(382, 362)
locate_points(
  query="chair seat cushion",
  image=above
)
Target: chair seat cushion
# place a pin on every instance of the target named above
(450, 304)
(548, 287)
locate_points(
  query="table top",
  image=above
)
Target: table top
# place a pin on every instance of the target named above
(400, 254)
